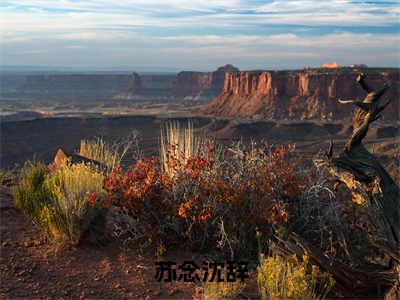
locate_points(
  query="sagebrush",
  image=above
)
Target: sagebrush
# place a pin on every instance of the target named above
(58, 201)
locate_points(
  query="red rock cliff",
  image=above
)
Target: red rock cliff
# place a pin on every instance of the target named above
(310, 94)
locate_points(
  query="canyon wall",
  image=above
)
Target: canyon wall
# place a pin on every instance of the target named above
(193, 83)
(201, 85)
(149, 87)
(182, 86)
(142, 87)
(299, 95)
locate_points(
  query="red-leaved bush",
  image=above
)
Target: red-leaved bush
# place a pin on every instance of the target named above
(215, 197)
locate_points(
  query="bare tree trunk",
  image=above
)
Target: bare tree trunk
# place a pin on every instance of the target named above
(373, 188)
(363, 174)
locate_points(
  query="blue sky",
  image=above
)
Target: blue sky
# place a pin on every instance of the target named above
(198, 34)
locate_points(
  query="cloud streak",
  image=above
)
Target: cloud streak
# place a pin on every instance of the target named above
(288, 29)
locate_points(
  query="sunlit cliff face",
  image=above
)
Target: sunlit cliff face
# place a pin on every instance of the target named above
(296, 95)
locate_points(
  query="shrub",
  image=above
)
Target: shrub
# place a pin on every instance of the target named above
(139, 193)
(31, 195)
(58, 202)
(259, 184)
(212, 198)
(71, 187)
(279, 278)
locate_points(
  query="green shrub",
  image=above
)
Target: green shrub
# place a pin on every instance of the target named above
(58, 201)
(70, 185)
(31, 195)
(279, 278)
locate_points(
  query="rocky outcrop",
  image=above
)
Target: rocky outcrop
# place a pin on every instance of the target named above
(192, 83)
(61, 158)
(182, 86)
(202, 85)
(134, 86)
(298, 95)
(148, 87)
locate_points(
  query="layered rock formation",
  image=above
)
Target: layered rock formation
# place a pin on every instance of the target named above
(308, 94)
(149, 87)
(143, 87)
(186, 85)
(194, 85)
(202, 85)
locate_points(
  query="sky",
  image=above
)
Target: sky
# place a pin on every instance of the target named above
(173, 35)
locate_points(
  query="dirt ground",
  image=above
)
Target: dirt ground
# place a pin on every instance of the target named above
(30, 268)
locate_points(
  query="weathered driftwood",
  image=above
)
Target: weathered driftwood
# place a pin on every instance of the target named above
(373, 188)
(369, 183)
(363, 174)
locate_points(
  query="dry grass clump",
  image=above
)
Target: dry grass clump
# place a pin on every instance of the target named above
(177, 142)
(279, 278)
(111, 155)
(219, 290)
(98, 150)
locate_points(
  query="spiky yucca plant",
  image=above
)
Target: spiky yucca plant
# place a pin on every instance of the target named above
(177, 142)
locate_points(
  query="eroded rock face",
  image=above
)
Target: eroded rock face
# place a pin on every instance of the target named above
(202, 85)
(309, 94)
(192, 83)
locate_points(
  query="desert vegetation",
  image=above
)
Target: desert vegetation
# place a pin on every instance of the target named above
(248, 201)
(294, 278)
(58, 201)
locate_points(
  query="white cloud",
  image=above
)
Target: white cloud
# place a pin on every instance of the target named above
(209, 51)
(75, 47)
(185, 33)
(43, 17)
(343, 40)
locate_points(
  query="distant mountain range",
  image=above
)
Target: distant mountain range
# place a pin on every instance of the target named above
(184, 85)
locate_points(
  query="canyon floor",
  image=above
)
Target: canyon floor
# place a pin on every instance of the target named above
(29, 137)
